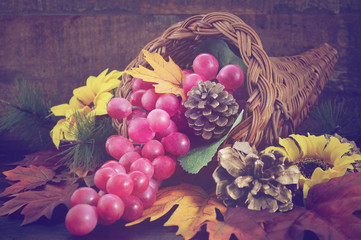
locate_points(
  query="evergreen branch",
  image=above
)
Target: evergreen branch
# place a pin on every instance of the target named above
(28, 117)
(72, 142)
(15, 106)
(87, 151)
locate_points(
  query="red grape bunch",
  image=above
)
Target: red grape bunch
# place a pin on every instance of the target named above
(128, 184)
(156, 124)
(206, 68)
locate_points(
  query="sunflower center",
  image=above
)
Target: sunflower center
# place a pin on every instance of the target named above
(308, 165)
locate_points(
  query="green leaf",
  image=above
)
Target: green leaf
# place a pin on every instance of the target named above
(222, 52)
(199, 157)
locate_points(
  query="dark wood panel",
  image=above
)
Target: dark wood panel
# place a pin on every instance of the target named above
(178, 6)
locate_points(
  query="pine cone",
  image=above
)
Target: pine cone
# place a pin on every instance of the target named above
(210, 110)
(258, 181)
(354, 150)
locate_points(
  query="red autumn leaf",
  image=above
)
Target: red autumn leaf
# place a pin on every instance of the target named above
(329, 213)
(242, 222)
(47, 158)
(39, 203)
(28, 177)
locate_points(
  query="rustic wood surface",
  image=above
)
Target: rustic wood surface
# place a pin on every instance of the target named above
(59, 44)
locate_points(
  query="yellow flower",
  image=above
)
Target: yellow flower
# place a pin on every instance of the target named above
(318, 159)
(96, 94)
(89, 99)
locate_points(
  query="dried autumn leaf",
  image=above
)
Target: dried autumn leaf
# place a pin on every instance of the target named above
(242, 222)
(329, 213)
(46, 158)
(195, 207)
(39, 203)
(28, 177)
(168, 75)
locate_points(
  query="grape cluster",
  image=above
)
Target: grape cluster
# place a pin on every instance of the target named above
(156, 124)
(206, 68)
(128, 184)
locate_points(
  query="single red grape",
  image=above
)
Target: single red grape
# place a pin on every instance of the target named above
(81, 219)
(192, 80)
(158, 119)
(139, 83)
(149, 99)
(231, 76)
(117, 145)
(85, 195)
(206, 65)
(119, 108)
(110, 208)
(121, 185)
(168, 102)
(128, 158)
(141, 181)
(155, 183)
(170, 129)
(139, 130)
(180, 120)
(102, 176)
(164, 167)
(152, 149)
(133, 208)
(119, 168)
(147, 197)
(176, 143)
(144, 165)
(135, 98)
(137, 113)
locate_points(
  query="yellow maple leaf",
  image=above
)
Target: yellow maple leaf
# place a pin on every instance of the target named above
(195, 207)
(168, 75)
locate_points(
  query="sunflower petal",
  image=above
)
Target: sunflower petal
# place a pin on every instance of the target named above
(311, 146)
(317, 144)
(345, 162)
(84, 94)
(335, 150)
(291, 148)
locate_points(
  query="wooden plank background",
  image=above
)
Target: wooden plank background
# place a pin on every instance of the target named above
(58, 44)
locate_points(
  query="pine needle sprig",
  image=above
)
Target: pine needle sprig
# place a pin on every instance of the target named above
(334, 115)
(88, 150)
(28, 117)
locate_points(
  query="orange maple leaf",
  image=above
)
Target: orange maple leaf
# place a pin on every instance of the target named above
(168, 75)
(28, 177)
(39, 203)
(195, 207)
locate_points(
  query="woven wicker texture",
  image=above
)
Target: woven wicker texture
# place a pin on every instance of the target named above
(281, 89)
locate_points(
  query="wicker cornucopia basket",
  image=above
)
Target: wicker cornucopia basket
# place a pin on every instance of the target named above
(281, 89)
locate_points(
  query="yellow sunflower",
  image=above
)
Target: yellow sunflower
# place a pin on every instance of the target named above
(90, 99)
(319, 159)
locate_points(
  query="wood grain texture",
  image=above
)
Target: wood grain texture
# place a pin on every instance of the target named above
(178, 6)
(58, 44)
